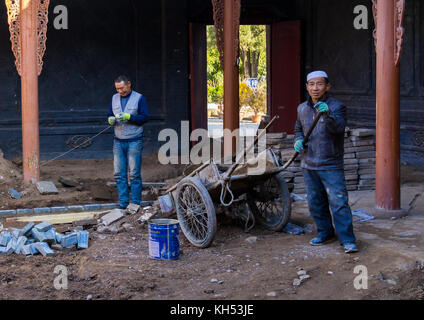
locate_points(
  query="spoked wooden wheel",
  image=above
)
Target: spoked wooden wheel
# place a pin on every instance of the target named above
(270, 203)
(196, 212)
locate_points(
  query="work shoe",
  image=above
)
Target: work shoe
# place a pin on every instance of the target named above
(319, 240)
(350, 247)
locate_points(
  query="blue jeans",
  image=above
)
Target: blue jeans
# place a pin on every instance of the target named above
(327, 190)
(127, 157)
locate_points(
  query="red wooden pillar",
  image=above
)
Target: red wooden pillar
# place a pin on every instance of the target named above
(231, 74)
(29, 89)
(388, 42)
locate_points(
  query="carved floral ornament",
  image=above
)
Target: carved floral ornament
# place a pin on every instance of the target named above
(399, 30)
(13, 10)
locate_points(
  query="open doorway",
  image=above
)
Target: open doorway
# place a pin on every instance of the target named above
(274, 74)
(253, 91)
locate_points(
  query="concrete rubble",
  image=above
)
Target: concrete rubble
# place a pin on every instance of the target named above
(40, 238)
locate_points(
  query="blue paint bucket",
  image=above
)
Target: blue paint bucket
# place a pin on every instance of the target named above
(164, 239)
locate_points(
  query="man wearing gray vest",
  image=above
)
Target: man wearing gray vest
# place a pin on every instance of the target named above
(127, 113)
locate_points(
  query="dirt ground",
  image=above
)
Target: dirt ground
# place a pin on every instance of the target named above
(117, 266)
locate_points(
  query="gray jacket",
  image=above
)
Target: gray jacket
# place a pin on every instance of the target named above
(325, 148)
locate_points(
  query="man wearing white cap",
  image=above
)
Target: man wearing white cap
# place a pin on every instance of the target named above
(322, 163)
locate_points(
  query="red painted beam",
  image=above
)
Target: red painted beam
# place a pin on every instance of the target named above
(29, 89)
(388, 110)
(231, 79)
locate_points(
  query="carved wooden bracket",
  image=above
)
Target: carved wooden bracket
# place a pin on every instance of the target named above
(374, 13)
(13, 13)
(218, 16)
(399, 30)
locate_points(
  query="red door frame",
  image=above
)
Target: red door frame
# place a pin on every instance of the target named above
(286, 70)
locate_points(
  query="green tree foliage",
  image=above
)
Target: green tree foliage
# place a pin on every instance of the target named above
(252, 63)
(253, 51)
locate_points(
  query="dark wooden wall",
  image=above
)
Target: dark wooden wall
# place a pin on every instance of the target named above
(148, 40)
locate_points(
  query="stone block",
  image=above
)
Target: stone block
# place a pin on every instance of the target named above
(59, 237)
(362, 132)
(365, 155)
(56, 247)
(109, 206)
(25, 211)
(46, 187)
(352, 187)
(351, 167)
(366, 183)
(92, 206)
(38, 235)
(50, 236)
(349, 150)
(30, 241)
(350, 161)
(68, 182)
(351, 182)
(367, 171)
(11, 246)
(85, 222)
(363, 188)
(298, 180)
(112, 216)
(44, 249)
(27, 229)
(351, 172)
(42, 210)
(15, 233)
(352, 177)
(276, 135)
(43, 226)
(33, 248)
(5, 237)
(364, 148)
(76, 208)
(26, 249)
(59, 209)
(82, 240)
(69, 240)
(132, 208)
(21, 242)
(361, 143)
(7, 212)
(368, 177)
(349, 156)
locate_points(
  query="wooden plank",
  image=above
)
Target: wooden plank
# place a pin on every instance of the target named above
(58, 218)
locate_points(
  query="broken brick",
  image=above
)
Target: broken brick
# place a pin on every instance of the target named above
(69, 240)
(5, 238)
(82, 238)
(27, 229)
(21, 241)
(44, 249)
(43, 226)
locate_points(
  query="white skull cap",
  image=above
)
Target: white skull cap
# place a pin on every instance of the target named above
(317, 74)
